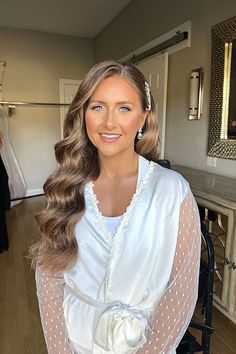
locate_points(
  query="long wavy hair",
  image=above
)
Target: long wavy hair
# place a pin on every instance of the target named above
(78, 163)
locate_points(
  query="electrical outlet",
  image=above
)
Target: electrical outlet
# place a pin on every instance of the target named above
(211, 161)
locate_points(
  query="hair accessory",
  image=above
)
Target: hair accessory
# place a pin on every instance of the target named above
(140, 134)
(148, 94)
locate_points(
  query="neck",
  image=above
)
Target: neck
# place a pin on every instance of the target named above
(118, 166)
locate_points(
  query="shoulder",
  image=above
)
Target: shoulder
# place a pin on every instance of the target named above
(167, 180)
(170, 175)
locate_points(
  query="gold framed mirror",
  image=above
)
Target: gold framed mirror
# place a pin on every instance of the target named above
(222, 112)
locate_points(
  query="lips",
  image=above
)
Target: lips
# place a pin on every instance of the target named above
(110, 137)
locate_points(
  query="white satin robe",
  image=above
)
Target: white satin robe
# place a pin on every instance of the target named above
(112, 290)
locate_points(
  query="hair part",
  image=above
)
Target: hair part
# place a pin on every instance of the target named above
(78, 163)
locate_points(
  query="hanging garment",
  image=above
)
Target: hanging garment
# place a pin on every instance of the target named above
(4, 205)
(143, 277)
(4, 188)
(16, 181)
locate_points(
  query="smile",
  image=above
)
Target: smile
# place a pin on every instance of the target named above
(110, 138)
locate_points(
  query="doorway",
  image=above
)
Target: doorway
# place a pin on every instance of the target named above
(68, 89)
(155, 69)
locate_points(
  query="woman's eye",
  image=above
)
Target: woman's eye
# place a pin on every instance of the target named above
(97, 108)
(124, 109)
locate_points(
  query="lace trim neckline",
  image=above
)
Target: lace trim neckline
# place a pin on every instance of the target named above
(124, 217)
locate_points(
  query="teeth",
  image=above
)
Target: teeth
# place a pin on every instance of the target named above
(111, 136)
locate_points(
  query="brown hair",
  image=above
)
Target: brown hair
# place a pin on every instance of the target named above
(78, 164)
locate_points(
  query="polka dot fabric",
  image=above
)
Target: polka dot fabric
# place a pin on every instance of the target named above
(50, 292)
(172, 314)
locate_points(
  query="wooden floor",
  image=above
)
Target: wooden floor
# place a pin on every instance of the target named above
(20, 328)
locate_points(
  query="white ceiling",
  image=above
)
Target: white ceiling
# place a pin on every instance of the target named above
(83, 18)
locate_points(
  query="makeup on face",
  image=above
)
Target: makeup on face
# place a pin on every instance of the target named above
(114, 115)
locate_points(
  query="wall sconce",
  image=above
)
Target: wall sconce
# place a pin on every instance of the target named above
(195, 99)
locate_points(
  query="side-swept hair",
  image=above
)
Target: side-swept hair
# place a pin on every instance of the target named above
(78, 163)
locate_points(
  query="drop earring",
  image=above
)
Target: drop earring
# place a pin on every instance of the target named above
(140, 134)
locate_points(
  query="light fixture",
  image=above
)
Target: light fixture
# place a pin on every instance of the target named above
(195, 98)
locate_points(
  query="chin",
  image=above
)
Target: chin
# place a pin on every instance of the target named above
(109, 153)
(114, 151)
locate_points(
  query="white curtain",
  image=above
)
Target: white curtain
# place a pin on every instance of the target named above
(16, 180)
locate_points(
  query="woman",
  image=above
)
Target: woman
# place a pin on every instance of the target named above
(117, 266)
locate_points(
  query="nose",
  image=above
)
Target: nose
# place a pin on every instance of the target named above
(110, 121)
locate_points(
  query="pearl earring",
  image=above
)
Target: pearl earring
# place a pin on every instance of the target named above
(140, 134)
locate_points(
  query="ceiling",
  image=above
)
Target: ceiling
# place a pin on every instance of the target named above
(83, 18)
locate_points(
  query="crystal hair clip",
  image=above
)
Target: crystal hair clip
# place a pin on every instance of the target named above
(148, 94)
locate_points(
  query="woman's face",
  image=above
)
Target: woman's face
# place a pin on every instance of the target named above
(114, 115)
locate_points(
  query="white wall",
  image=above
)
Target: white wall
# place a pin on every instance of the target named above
(142, 21)
(35, 63)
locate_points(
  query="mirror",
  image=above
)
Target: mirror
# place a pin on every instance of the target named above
(231, 131)
(222, 113)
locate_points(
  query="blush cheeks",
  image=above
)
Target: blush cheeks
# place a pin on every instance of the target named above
(114, 115)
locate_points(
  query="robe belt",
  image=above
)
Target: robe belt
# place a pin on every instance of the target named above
(119, 327)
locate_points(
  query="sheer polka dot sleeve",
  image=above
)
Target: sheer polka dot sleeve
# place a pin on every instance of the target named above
(50, 292)
(175, 309)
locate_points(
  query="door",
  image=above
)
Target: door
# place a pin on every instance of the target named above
(155, 69)
(68, 89)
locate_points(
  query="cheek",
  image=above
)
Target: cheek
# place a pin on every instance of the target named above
(132, 125)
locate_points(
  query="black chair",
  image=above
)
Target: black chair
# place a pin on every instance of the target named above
(189, 344)
(164, 163)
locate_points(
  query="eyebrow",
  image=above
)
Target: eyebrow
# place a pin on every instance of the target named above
(121, 102)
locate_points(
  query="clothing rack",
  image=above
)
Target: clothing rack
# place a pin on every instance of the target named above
(29, 196)
(13, 103)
